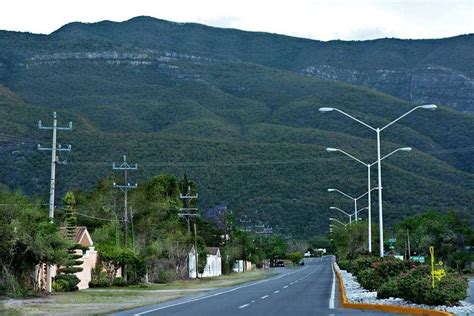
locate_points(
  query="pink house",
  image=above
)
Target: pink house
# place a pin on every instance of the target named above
(89, 260)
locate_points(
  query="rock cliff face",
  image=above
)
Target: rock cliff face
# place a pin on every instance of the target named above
(429, 84)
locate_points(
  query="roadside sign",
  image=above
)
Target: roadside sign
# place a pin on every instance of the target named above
(420, 259)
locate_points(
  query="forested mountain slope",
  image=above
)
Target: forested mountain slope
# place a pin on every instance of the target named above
(234, 110)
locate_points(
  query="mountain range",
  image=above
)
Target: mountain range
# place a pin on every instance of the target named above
(239, 112)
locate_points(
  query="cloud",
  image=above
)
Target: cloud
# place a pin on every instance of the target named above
(368, 33)
(221, 21)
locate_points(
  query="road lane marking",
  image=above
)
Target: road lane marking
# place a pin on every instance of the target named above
(243, 306)
(216, 294)
(264, 297)
(277, 291)
(285, 286)
(333, 291)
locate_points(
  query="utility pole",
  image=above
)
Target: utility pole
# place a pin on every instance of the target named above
(408, 242)
(245, 222)
(187, 212)
(52, 186)
(133, 231)
(124, 188)
(196, 251)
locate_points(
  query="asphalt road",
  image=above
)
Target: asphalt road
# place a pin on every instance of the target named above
(308, 290)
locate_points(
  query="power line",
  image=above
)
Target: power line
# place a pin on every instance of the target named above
(99, 218)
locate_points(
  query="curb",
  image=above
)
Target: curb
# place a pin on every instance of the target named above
(384, 308)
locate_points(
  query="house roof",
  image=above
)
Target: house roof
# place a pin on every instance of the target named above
(81, 235)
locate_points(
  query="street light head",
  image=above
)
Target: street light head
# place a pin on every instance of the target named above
(406, 149)
(429, 106)
(331, 149)
(333, 208)
(331, 190)
(326, 109)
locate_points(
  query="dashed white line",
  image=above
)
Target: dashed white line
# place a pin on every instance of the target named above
(285, 286)
(243, 306)
(213, 295)
(264, 297)
(277, 291)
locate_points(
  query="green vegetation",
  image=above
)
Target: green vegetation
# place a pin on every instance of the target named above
(451, 236)
(27, 239)
(233, 109)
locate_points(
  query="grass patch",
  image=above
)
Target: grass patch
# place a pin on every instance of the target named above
(107, 300)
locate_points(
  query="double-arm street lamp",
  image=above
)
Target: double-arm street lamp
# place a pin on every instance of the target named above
(377, 131)
(352, 198)
(337, 221)
(345, 213)
(369, 189)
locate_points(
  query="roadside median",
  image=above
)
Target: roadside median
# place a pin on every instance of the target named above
(382, 307)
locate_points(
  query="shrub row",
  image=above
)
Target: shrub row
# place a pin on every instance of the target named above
(392, 277)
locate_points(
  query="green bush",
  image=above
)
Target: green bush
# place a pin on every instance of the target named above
(389, 288)
(166, 276)
(345, 264)
(415, 286)
(362, 263)
(102, 281)
(119, 281)
(369, 279)
(388, 267)
(71, 280)
(60, 285)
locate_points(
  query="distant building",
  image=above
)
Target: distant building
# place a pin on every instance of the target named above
(89, 259)
(213, 263)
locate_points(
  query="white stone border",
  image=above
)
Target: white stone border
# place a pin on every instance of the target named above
(355, 293)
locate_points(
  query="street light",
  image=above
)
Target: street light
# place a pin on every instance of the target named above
(337, 221)
(350, 215)
(369, 189)
(350, 197)
(377, 131)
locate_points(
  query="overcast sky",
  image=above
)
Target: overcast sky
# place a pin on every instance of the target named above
(316, 19)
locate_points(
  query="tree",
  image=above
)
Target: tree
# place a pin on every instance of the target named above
(295, 257)
(27, 239)
(67, 271)
(449, 233)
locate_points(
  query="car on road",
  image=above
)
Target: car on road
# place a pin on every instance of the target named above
(279, 263)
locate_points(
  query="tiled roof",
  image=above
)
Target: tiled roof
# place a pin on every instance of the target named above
(78, 235)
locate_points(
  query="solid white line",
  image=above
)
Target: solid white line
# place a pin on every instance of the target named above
(219, 293)
(264, 297)
(333, 291)
(243, 306)
(277, 291)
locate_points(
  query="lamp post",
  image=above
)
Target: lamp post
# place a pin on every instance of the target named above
(352, 198)
(377, 131)
(337, 221)
(369, 189)
(345, 213)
